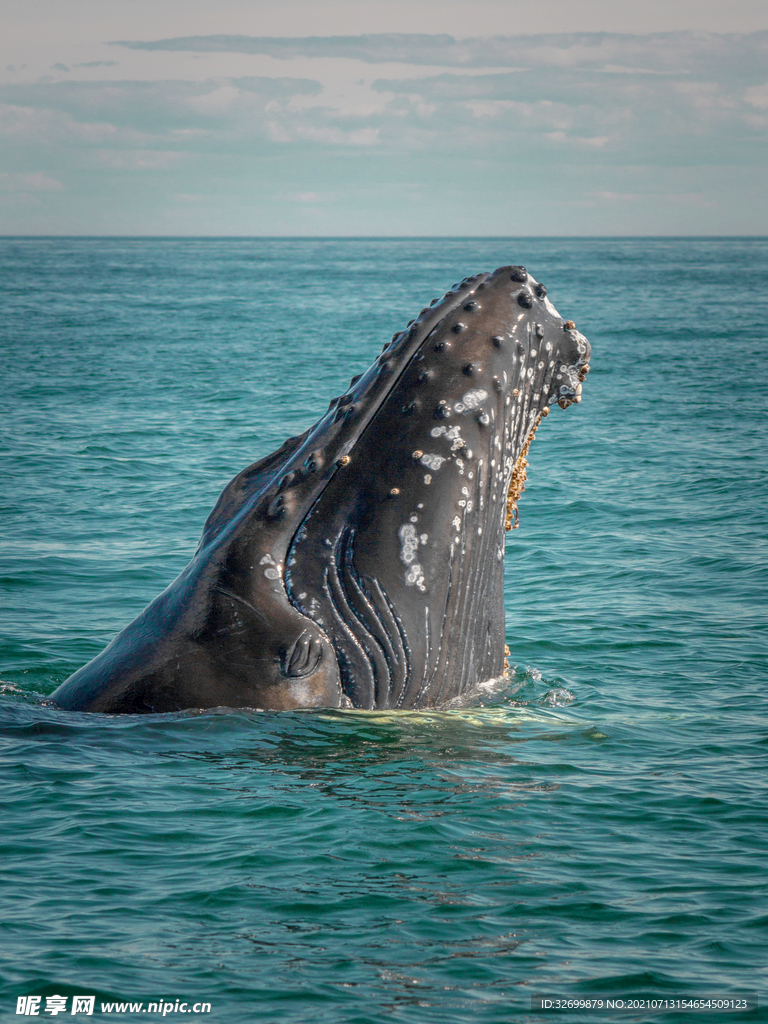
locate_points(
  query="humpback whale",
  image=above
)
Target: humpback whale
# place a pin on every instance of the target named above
(361, 564)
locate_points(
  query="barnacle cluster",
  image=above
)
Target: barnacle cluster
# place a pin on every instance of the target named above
(519, 474)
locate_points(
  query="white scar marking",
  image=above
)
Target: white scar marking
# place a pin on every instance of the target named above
(409, 543)
(471, 400)
(433, 462)
(437, 431)
(427, 478)
(415, 575)
(273, 573)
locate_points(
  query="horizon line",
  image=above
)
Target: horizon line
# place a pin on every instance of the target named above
(353, 238)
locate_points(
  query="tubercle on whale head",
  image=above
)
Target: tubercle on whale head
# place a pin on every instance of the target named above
(312, 458)
(493, 333)
(507, 315)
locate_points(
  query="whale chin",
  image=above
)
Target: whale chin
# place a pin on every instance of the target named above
(362, 563)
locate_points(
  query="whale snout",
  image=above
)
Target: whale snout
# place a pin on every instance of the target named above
(574, 366)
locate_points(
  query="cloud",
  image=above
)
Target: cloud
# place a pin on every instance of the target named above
(324, 135)
(29, 124)
(757, 96)
(696, 198)
(37, 181)
(375, 48)
(157, 107)
(664, 97)
(584, 120)
(631, 116)
(137, 159)
(654, 53)
(97, 64)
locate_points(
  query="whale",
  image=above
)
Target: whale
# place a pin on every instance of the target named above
(361, 564)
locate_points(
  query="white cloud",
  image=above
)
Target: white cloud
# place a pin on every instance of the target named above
(757, 96)
(36, 181)
(137, 159)
(324, 135)
(567, 114)
(35, 124)
(595, 142)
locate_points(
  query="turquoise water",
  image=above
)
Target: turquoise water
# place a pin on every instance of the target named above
(601, 829)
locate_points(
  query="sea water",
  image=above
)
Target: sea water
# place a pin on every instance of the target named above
(599, 829)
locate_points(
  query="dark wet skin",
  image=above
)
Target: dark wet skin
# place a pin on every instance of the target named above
(361, 564)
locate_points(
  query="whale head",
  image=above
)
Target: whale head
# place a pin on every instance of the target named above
(362, 563)
(400, 558)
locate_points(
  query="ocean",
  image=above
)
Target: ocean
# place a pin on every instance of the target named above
(597, 832)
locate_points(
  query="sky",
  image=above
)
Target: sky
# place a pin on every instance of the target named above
(383, 117)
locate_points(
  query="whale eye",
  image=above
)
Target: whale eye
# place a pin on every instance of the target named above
(525, 300)
(519, 274)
